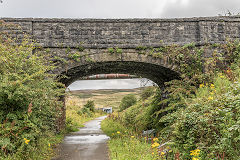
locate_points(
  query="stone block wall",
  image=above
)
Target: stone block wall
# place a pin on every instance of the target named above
(128, 33)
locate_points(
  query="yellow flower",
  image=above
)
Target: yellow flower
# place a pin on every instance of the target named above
(132, 136)
(195, 152)
(26, 140)
(194, 158)
(152, 153)
(162, 153)
(155, 144)
(170, 151)
(201, 85)
(113, 134)
(210, 98)
(155, 139)
(49, 144)
(212, 86)
(118, 132)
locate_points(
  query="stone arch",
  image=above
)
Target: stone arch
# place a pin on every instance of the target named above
(159, 70)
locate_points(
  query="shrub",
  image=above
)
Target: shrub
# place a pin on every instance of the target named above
(127, 101)
(89, 105)
(210, 121)
(29, 98)
(138, 116)
(149, 91)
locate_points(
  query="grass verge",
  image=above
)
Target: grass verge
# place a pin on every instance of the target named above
(124, 143)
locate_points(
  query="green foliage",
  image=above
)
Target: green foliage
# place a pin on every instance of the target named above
(127, 101)
(138, 116)
(111, 125)
(29, 103)
(124, 143)
(154, 52)
(193, 116)
(71, 126)
(75, 56)
(89, 59)
(140, 48)
(189, 46)
(48, 50)
(157, 55)
(80, 48)
(77, 116)
(210, 121)
(111, 50)
(146, 93)
(118, 50)
(115, 50)
(141, 52)
(90, 105)
(62, 60)
(204, 117)
(68, 50)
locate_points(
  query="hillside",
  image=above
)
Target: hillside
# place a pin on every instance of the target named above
(102, 98)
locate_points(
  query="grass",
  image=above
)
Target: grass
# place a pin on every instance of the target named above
(124, 144)
(102, 98)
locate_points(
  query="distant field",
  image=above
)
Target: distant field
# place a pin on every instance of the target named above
(101, 98)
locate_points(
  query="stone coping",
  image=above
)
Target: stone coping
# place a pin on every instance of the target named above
(129, 20)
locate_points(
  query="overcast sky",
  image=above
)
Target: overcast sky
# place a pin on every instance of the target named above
(116, 9)
(109, 84)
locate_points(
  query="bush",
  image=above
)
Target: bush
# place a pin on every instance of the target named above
(86, 111)
(211, 121)
(127, 101)
(29, 103)
(149, 91)
(89, 105)
(138, 116)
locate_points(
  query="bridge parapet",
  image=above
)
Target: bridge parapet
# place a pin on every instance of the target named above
(128, 33)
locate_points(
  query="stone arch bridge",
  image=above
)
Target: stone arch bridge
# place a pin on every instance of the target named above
(85, 47)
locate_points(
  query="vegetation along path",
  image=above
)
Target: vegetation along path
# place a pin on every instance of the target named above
(89, 143)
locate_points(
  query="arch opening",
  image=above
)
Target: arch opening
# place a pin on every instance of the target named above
(155, 73)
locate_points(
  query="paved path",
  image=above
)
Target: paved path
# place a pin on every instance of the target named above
(89, 143)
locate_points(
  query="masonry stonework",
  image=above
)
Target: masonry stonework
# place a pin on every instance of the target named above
(97, 35)
(128, 33)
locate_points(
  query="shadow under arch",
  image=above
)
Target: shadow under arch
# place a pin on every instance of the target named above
(154, 72)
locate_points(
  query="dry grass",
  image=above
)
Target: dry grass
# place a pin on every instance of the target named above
(101, 98)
